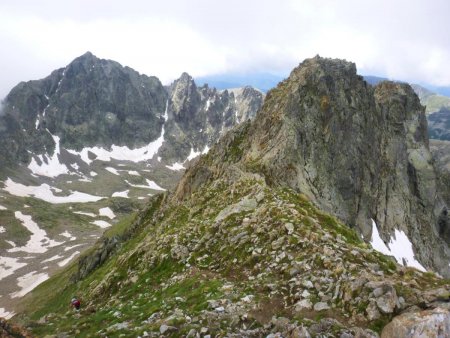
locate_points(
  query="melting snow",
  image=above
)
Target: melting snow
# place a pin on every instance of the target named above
(38, 242)
(133, 172)
(6, 314)
(2, 207)
(106, 212)
(124, 153)
(68, 259)
(176, 166)
(75, 166)
(399, 246)
(51, 167)
(121, 194)
(2, 229)
(74, 246)
(193, 154)
(8, 265)
(112, 170)
(28, 282)
(85, 213)
(150, 185)
(101, 224)
(68, 235)
(51, 259)
(45, 193)
(93, 173)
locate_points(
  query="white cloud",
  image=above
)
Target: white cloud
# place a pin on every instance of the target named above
(403, 39)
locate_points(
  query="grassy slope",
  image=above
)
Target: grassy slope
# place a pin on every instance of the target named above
(248, 253)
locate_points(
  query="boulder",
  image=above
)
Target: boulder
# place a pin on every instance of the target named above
(427, 323)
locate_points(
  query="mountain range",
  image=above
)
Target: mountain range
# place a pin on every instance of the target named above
(315, 210)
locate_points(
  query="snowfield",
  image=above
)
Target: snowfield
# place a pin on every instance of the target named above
(399, 246)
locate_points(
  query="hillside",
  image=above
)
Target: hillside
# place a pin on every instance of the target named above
(250, 242)
(85, 148)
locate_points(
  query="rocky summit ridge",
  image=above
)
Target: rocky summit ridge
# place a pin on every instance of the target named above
(253, 242)
(359, 152)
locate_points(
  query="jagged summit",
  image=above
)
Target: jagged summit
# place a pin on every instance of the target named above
(357, 151)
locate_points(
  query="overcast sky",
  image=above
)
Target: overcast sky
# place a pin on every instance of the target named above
(405, 39)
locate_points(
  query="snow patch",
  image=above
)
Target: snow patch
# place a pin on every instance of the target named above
(93, 173)
(50, 165)
(107, 212)
(28, 282)
(121, 194)
(68, 235)
(101, 224)
(176, 166)
(3, 208)
(74, 246)
(38, 242)
(113, 171)
(133, 172)
(51, 259)
(8, 265)
(68, 259)
(193, 154)
(85, 213)
(6, 314)
(150, 185)
(2, 229)
(123, 153)
(399, 246)
(44, 192)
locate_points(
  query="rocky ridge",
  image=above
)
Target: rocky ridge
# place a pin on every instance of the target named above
(357, 151)
(242, 249)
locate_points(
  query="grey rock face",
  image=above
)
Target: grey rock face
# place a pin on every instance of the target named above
(360, 152)
(198, 116)
(428, 323)
(439, 124)
(96, 102)
(90, 102)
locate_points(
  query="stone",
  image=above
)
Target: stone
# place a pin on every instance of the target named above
(289, 227)
(372, 311)
(387, 302)
(192, 333)
(305, 294)
(426, 323)
(299, 332)
(308, 284)
(304, 304)
(321, 306)
(167, 329)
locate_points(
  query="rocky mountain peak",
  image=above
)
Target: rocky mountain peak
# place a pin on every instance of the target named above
(357, 151)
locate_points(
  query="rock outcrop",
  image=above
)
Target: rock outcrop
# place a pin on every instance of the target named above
(439, 124)
(99, 103)
(198, 116)
(359, 152)
(427, 323)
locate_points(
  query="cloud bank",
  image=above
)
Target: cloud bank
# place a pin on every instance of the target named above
(405, 40)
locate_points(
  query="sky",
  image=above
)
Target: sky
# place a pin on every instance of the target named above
(407, 40)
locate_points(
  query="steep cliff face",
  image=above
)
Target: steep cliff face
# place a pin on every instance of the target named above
(91, 102)
(198, 116)
(359, 152)
(99, 103)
